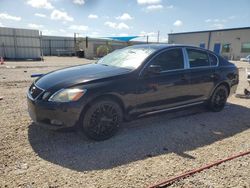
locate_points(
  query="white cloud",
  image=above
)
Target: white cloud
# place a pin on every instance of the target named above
(170, 6)
(215, 20)
(79, 27)
(93, 16)
(79, 2)
(122, 26)
(95, 34)
(6, 16)
(218, 26)
(61, 15)
(117, 25)
(35, 26)
(62, 30)
(123, 34)
(231, 17)
(110, 24)
(143, 33)
(152, 37)
(40, 15)
(178, 23)
(151, 33)
(1, 25)
(141, 2)
(48, 32)
(217, 23)
(40, 4)
(154, 7)
(124, 16)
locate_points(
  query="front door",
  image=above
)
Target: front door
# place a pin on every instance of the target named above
(167, 88)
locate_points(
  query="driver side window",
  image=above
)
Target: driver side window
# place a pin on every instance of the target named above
(170, 60)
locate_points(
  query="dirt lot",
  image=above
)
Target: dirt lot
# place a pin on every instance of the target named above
(143, 152)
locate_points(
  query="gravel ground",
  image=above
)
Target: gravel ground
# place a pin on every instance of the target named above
(145, 151)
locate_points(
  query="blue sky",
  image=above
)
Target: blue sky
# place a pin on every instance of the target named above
(101, 18)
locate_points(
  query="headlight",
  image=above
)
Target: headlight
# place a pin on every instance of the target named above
(67, 95)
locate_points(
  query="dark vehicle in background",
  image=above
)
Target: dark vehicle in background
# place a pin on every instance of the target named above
(131, 82)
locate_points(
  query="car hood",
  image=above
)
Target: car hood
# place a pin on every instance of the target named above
(78, 74)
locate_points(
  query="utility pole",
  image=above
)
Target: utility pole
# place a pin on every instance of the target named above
(147, 39)
(158, 37)
(75, 43)
(41, 45)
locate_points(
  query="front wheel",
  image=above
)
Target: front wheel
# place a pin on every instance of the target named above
(102, 119)
(219, 98)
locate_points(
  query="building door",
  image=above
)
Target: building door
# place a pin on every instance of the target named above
(217, 48)
(202, 45)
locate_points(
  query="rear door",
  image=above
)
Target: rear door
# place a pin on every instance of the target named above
(202, 74)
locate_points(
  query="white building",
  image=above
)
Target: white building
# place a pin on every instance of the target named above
(230, 43)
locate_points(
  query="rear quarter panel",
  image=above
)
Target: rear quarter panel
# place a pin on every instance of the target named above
(228, 73)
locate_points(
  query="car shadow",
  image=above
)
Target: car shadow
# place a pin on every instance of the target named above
(164, 133)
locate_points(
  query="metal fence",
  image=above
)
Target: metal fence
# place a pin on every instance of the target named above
(53, 45)
(19, 43)
(28, 44)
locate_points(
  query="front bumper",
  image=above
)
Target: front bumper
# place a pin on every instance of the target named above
(54, 115)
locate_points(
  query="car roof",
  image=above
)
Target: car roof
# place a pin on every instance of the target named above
(162, 46)
(158, 47)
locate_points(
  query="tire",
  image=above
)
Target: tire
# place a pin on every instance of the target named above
(101, 121)
(218, 100)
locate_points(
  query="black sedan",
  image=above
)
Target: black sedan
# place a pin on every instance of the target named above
(131, 82)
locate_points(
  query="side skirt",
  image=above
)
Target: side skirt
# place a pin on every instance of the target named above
(172, 108)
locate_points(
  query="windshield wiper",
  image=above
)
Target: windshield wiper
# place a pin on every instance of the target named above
(102, 64)
(132, 52)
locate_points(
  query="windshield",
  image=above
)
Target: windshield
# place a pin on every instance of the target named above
(130, 57)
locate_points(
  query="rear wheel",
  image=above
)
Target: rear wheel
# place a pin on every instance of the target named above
(219, 98)
(101, 121)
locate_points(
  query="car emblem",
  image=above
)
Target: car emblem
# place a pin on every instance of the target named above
(32, 90)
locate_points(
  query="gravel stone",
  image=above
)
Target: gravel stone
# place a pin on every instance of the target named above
(144, 151)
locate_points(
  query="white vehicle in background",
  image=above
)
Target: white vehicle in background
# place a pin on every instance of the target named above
(247, 59)
(246, 90)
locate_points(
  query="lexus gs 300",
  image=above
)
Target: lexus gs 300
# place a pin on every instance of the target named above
(130, 82)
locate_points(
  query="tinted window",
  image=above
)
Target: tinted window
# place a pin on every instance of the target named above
(170, 60)
(197, 58)
(212, 59)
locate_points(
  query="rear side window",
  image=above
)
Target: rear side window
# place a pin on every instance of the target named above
(213, 59)
(197, 58)
(170, 60)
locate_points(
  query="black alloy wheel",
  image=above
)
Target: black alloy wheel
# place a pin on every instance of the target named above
(102, 119)
(219, 98)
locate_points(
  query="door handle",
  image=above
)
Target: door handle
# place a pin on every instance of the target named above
(213, 76)
(184, 77)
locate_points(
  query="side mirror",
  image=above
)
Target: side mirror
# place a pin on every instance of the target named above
(154, 69)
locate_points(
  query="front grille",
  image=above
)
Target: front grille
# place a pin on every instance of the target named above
(35, 91)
